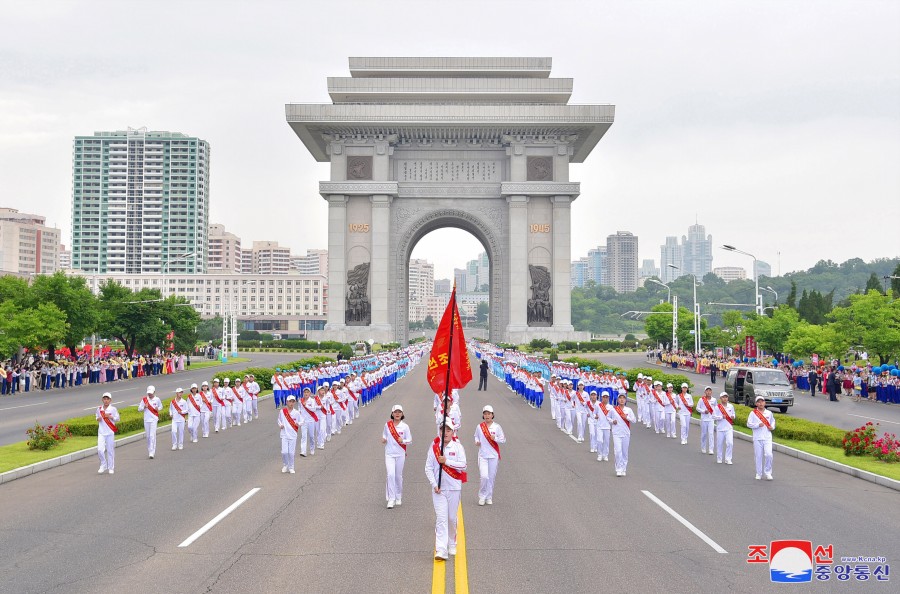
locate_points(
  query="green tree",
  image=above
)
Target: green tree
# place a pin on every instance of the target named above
(73, 297)
(806, 339)
(658, 326)
(29, 327)
(873, 284)
(210, 329)
(428, 323)
(873, 321)
(895, 282)
(772, 332)
(182, 320)
(481, 314)
(792, 296)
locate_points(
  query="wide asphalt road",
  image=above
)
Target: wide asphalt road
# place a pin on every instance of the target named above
(21, 411)
(560, 521)
(844, 414)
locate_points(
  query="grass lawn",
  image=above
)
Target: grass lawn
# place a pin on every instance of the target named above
(17, 455)
(204, 364)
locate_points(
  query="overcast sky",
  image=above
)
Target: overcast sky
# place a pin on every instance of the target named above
(775, 124)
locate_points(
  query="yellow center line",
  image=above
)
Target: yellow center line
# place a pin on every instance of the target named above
(461, 569)
(439, 577)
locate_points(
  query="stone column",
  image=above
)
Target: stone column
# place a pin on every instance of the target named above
(378, 271)
(562, 262)
(518, 264)
(337, 261)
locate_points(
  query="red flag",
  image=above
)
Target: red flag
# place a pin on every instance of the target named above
(449, 352)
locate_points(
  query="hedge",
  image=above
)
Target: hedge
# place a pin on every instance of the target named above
(293, 344)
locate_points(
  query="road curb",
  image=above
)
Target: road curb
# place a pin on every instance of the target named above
(818, 460)
(17, 473)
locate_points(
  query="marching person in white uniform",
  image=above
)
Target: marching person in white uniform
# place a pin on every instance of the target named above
(150, 405)
(395, 436)
(581, 399)
(670, 407)
(311, 413)
(706, 405)
(451, 467)
(621, 417)
(723, 415)
(593, 407)
(218, 406)
(228, 396)
(488, 437)
(206, 408)
(289, 421)
(107, 416)
(762, 422)
(177, 410)
(685, 410)
(603, 427)
(194, 408)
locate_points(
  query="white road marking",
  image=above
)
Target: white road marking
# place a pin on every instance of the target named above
(23, 406)
(219, 518)
(686, 524)
(874, 419)
(93, 407)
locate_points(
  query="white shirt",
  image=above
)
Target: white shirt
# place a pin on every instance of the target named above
(113, 414)
(173, 412)
(619, 427)
(194, 411)
(721, 423)
(760, 431)
(706, 412)
(486, 450)
(285, 426)
(684, 412)
(391, 447)
(155, 402)
(456, 458)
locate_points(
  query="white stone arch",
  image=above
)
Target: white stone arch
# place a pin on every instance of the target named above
(411, 228)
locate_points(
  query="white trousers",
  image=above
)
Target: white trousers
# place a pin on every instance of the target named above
(685, 426)
(724, 444)
(446, 505)
(106, 450)
(226, 416)
(659, 423)
(670, 423)
(288, 449)
(592, 434)
(248, 409)
(321, 431)
(217, 416)
(237, 413)
(487, 468)
(193, 422)
(707, 435)
(603, 443)
(554, 408)
(762, 448)
(150, 428)
(255, 407)
(621, 446)
(308, 436)
(204, 422)
(570, 418)
(178, 433)
(394, 485)
(581, 417)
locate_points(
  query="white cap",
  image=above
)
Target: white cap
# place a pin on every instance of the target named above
(396, 407)
(325, 384)
(684, 385)
(215, 380)
(488, 408)
(725, 394)
(106, 395)
(151, 390)
(758, 398)
(227, 380)
(668, 385)
(707, 388)
(640, 376)
(178, 390)
(204, 384)
(292, 397)
(193, 386)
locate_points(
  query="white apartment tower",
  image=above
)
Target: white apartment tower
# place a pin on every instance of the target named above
(622, 261)
(27, 245)
(224, 250)
(140, 202)
(697, 253)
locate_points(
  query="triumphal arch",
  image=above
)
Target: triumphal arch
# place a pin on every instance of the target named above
(417, 144)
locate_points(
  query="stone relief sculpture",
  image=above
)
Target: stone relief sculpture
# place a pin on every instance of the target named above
(358, 308)
(540, 311)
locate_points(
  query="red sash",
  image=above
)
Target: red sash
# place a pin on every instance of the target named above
(205, 400)
(658, 399)
(580, 399)
(321, 406)
(312, 413)
(290, 419)
(621, 413)
(149, 407)
(671, 400)
(590, 406)
(193, 402)
(605, 412)
(237, 394)
(177, 407)
(491, 441)
(108, 421)
(395, 435)
(343, 405)
(684, 402)
(707, 404)
(725, 414)
(453, 473)
(219, 400)
(762, 418)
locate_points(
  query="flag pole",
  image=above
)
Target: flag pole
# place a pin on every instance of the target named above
(447, 383)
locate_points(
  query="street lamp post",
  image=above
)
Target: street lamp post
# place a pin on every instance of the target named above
(731, 248)
(697, 341)
(662, 284)
(165, 278)
(773, 291)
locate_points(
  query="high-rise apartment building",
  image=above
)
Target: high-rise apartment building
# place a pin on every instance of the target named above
(421, 288)
(443, 285)
(140, 202)
(670, 253)
(27, 245)
(763, 269)
(270, 258)
(596, 265)
(314, 262)
(622, 256)
(224, 250)
(696, 251)
(648, 269)
(64, 258)
(578, 273)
